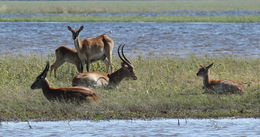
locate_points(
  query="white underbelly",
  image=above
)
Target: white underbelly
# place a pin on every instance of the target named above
(100, 83)
(94, 81)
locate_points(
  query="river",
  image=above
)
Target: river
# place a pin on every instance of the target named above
(142, 38)
(242, 127)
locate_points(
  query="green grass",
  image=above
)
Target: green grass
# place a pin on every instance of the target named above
(32, 7)
(25, 7)
(166, 87)
(64, 18)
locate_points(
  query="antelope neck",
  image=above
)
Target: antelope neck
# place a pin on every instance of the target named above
(206, 80)
(77, 43)
(116, 77)
(45, 86)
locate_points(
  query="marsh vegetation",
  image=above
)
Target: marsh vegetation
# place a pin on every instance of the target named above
(29, 7)
(76, 7)
(166, 87)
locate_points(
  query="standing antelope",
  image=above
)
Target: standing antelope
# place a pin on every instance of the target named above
(93, 49)
(94, 79)
(218, 86)
(68, 94)
(66, 54)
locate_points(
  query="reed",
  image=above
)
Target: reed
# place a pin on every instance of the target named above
(166, 87)
(123, 6)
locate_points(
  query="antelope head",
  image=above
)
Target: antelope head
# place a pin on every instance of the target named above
(40, 80)
(75, 33)
(126, 66)
(203, 71)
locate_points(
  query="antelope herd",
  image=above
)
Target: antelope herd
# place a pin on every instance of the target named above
(93, 49)
(100, 48)
(94, 79)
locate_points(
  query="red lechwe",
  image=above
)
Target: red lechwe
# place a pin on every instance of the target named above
(110, 80)
(76, 94)
(66, 54)
(218, 86)
(93, 49)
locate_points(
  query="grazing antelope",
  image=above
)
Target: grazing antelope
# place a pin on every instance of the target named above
(93, 49)
(66, 54)
(218, 86)
(111, 80)
(67, 94)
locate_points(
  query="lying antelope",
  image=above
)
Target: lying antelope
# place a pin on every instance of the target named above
(94, 79)
(67, 94)
(218, 86)
(93, 49)
(66, 54)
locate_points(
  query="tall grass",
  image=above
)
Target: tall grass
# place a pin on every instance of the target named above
(27, 7)
(166, 87)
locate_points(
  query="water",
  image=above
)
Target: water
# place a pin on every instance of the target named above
(167, 127)
(142, 38)
(166, 13)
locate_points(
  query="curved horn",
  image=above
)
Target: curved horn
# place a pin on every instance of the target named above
(124, 55)
(118, 52)
(210, 65)
(45, 71)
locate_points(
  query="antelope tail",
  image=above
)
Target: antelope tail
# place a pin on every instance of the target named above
(108, 32)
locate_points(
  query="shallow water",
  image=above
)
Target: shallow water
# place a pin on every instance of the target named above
(166, 13)
(142, 38)
(167, 127)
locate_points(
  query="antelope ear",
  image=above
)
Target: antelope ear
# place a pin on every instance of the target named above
(209, 66)
(69, 28)
(81, 28)
(123, 64)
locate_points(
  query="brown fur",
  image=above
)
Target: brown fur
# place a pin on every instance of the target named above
(94, 79)
(112, 79)
(77, 94)
(66, 54)
(93, 49)
(218, 86)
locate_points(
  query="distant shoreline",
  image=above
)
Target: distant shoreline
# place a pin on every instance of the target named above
(235, 19)
(123, 6)
(201, 7)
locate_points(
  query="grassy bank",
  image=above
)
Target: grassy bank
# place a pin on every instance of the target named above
(64, 18)
(64, 7)
(166, 87)
(29, 7)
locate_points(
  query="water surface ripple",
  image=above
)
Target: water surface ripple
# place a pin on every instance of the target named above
(166, 13)
(168, 127)
(142, 38)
